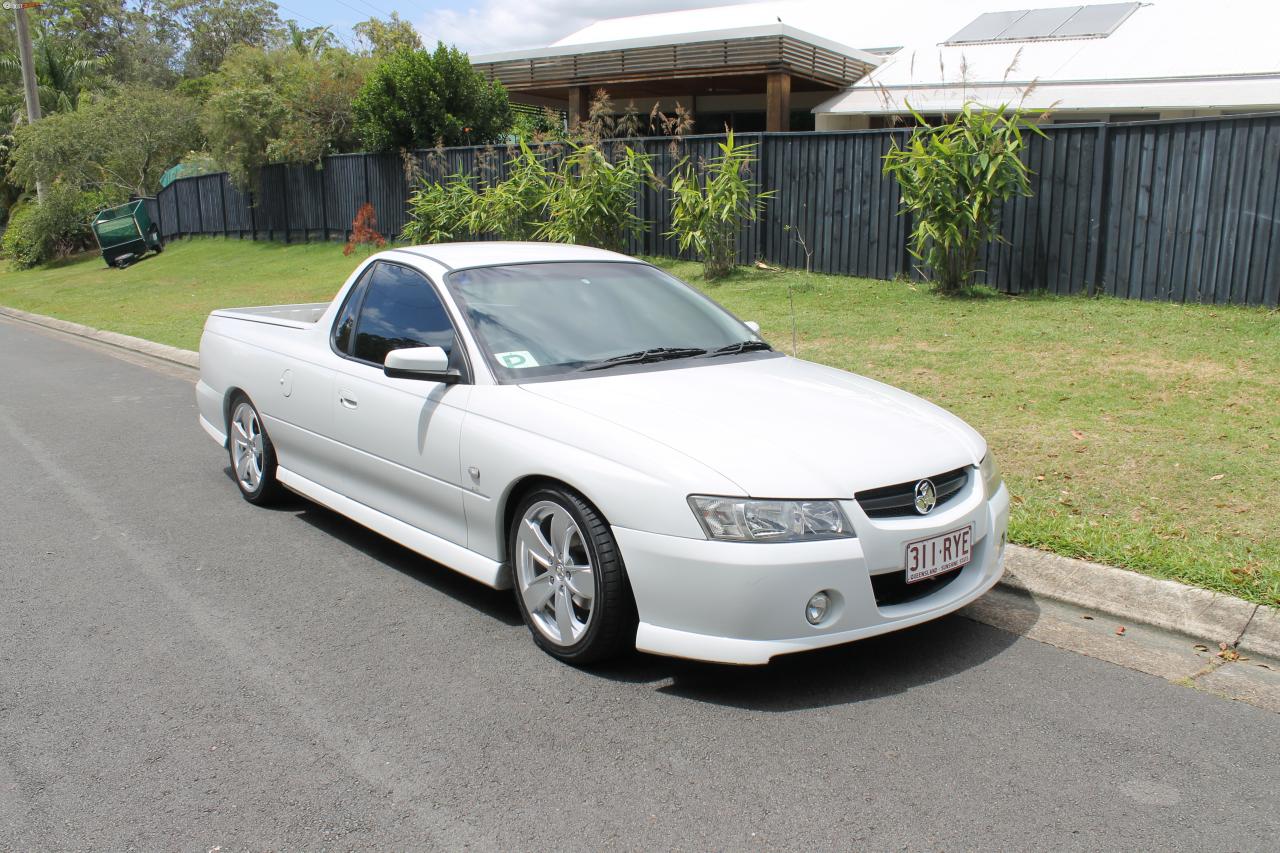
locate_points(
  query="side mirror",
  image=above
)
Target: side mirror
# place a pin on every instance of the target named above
(430, 363)
(753, 326)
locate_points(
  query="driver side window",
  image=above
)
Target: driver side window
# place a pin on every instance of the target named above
(400, 309)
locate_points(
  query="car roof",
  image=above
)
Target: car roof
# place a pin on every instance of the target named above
(490, 253)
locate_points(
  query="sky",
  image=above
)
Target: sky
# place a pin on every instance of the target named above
(481, 26)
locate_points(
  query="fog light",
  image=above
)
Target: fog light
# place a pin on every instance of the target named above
(817, 608)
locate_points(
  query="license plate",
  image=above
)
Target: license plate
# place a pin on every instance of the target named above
(938, 554)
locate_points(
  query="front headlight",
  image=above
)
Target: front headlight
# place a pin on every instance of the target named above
(746, 520)
(990, 474)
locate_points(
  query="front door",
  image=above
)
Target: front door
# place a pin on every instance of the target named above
(399, 437)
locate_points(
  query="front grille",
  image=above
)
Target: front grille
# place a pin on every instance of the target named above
(900, 500)
(893, 588)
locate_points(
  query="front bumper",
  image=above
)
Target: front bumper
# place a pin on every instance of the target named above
(743, 603)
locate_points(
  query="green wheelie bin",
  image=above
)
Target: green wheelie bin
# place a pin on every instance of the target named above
(125, 233)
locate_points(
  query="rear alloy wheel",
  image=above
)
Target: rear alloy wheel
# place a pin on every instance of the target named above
(253, 458)
(570, 583)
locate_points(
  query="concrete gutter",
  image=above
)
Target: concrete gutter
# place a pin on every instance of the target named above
(1208, 616)
(1213, 617)
(185, 357)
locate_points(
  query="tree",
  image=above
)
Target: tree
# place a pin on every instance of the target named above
(417, 99)
(64, 72)
(954, 177)
(136, 40)
(277, 105)
(119, 144)
(311, 40)
(378, 37)
(212, 28)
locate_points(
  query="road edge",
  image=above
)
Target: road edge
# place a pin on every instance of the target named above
(164, 352)
(1199, 613)
(1214, 617)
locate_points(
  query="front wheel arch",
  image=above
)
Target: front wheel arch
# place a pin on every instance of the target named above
(517, 492)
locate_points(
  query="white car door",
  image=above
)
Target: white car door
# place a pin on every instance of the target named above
(398, 438)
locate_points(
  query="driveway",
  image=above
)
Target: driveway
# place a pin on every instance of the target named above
(180, 670)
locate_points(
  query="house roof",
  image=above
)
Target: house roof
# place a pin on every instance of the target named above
(853, 23)
(1221, 53)
(732, 50)
(1128, 96)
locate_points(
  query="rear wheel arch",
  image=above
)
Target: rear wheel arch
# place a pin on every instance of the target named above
(228, 399)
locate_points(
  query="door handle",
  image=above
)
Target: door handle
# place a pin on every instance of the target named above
(347, 400)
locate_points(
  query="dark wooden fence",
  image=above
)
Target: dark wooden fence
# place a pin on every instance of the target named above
(1185, 210)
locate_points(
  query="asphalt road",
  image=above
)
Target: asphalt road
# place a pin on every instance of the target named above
(180, 670)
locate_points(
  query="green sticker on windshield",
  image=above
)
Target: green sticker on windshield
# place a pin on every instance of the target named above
(519, 358)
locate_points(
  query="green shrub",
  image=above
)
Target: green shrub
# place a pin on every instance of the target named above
(55, 227)
(24, 244)
(954, 177)
(708, 211)
(457, 208)
(591, 199)
(588, 200)
(513, 208)
(440, 212)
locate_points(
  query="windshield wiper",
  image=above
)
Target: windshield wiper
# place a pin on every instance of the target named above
(645, 356)
(740, 346)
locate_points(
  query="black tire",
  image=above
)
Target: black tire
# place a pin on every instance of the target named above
(611, 630)
(267, 489)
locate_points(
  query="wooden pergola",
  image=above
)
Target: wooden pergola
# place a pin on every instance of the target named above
(773, 61)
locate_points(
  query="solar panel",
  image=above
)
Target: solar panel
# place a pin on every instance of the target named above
(1096, 21)
(1038, 23)
(1061, 22)
(986, 27)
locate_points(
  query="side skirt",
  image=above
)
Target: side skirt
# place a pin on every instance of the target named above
(456, 557)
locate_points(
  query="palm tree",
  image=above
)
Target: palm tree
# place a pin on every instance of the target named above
(63, 74)
(311, 41)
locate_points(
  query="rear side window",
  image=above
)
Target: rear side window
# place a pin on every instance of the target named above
(400, 309)
(344, 329)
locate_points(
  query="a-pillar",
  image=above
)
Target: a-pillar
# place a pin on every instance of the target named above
(778, 102)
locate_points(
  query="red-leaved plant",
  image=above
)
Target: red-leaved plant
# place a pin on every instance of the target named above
(364, 230)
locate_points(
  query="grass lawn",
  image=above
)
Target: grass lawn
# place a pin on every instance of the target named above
(1143, 435)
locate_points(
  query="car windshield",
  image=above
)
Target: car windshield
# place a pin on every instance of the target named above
(554, 319)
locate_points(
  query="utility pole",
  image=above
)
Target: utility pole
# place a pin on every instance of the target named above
(28, 71)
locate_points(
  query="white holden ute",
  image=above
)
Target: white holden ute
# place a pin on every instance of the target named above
(636, 462)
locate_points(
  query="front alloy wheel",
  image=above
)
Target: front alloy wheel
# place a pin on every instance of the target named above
(570, 582)
(554, 568)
